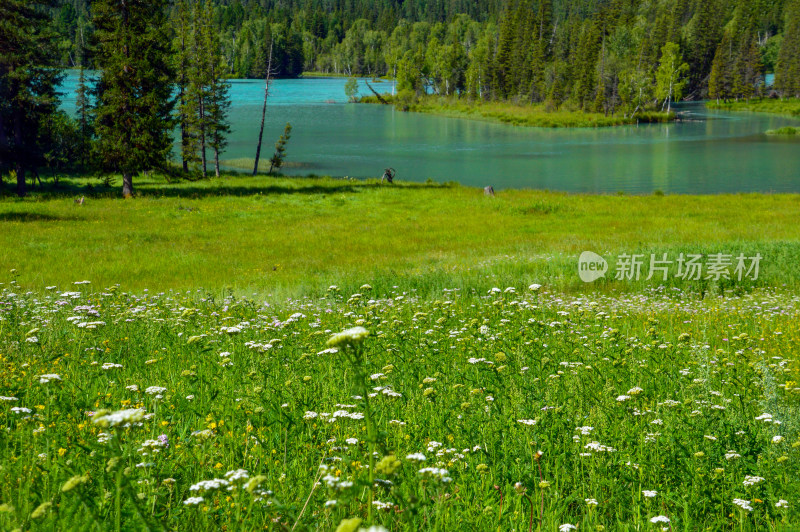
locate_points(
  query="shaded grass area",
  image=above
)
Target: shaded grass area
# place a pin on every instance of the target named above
(785, 131)
(530, 115)
(787, 106)
(296, 236)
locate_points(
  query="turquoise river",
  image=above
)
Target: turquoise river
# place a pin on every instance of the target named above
(708, 152)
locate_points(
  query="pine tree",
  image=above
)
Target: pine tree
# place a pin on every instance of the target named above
(585, 65)
(544, 23)
(705, 34)
(787, 68)
(557, 93)
(502, 65)
(747, 67)
(134, 93)
(199, 81)
(720, 81)
(28, 97)
(539, 50)
(218, 103)
(280, 149)
(537, 88)
(182, 61)
(521, 67)
(676, 20)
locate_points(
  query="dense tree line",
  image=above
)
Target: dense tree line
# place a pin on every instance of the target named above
(591, 53)
(127, 114)
(30, 123)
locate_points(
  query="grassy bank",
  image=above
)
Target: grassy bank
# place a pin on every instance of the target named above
(530, 115)
(289, 237)
(785, 131)
(788, 106)
(342, 75)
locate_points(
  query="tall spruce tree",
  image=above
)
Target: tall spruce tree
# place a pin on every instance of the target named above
(197, 91)
(705, 33)
(585, 64)
(720, 81)
(747, 67)
(182, 64)
(134, 92)
(501, 68)
(28, 81)
(787, 69)
(218, 103)
(276, 161)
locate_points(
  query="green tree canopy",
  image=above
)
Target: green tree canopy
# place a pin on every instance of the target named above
(134, 92)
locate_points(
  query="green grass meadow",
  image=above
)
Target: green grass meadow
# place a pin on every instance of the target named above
(261, 353)
(293, 237)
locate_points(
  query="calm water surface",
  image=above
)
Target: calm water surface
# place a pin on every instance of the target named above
(712, 152)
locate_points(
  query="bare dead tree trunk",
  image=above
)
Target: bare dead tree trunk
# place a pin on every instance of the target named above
(603, 73)
(202, 106)
(3, 143)
(21, 185)
(182, 99)
(216, 160)
(264, 110)
(380, 98)
(18, 142)
(127, 184)
(184, 134)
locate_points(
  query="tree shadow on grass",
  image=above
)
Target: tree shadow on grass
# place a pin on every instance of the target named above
(34, 217)
(195, 192)
(222, 187)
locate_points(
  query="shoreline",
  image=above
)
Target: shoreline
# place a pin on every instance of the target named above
(533, 115)
(236, 174)
(786, 107)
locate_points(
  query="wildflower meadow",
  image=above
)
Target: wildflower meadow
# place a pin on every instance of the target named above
(517, 409)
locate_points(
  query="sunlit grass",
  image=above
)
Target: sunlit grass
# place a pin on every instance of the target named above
(292, 236)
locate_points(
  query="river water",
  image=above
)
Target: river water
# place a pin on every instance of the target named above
(710, 152)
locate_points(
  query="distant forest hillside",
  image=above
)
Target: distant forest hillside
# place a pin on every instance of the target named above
(593, 53)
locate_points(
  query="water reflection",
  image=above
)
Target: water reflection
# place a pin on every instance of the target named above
(711, 152)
